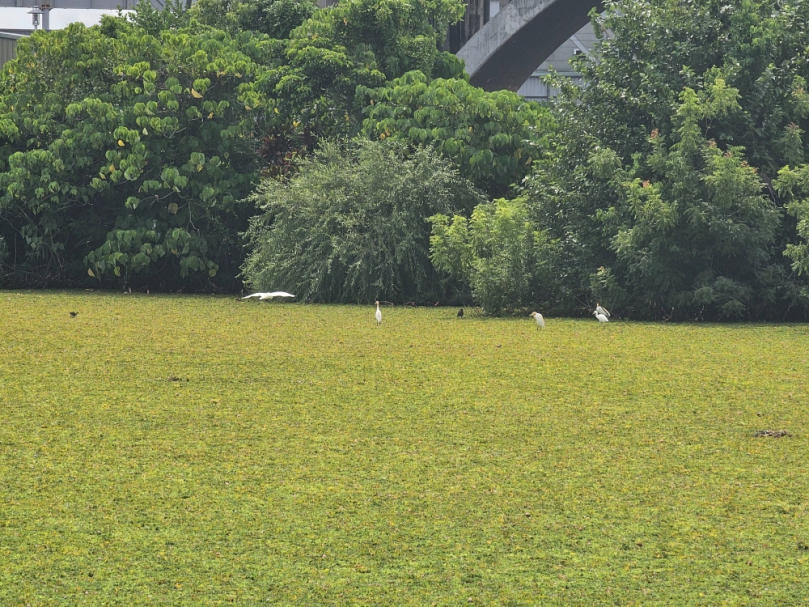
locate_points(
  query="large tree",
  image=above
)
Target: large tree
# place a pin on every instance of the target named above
(319, 85)
(276, 18)
(124, 154)
(660, 189)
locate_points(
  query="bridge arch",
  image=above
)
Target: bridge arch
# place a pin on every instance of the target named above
(505, 51)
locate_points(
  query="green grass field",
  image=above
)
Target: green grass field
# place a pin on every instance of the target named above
(179, 450)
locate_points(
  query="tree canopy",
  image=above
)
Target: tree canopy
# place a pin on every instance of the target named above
(493, 138)
(659, 186)
(126, 155)
(357, 43)
(276, 18)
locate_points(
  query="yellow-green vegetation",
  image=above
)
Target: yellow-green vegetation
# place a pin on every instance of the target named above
(164, 450)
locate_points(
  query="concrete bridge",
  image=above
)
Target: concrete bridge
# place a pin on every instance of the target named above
(508, 48)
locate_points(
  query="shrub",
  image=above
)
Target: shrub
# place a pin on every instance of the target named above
(351, 226)
(505, 259)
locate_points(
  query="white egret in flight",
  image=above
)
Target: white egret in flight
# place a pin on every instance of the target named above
(378, 315)
(538, 317)
(263, 296)
(603, 311)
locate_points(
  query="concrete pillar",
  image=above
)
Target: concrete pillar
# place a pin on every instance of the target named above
(46, 6)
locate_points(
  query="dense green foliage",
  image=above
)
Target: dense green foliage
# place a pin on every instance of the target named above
(276, 18)
(271, 454)
(127, 150)
(659, 186)
(690, 226)
(499, 251)
(318, 84)
(126, 155)
(492, 137)
(351, 226)
(794, 183)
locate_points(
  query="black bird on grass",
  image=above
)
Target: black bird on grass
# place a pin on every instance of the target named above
(460, 313)
(74, 314)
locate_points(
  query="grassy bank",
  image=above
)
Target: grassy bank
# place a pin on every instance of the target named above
(200, 450)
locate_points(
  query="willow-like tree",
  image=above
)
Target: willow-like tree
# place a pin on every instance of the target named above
(351, 225)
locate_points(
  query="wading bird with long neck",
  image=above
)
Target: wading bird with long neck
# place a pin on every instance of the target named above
(601, 317)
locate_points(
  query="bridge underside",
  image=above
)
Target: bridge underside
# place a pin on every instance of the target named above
(507, 50)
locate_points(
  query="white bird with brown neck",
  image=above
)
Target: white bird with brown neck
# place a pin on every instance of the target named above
(538, 317)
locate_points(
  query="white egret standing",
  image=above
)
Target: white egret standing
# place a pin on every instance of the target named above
(378, 315)
(538, 317)
(601, 317)
(603, 311)
(263, 296)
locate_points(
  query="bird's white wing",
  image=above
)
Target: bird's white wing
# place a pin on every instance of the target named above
(280, 294)
(253, 295)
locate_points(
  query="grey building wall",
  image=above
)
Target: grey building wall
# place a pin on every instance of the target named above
(478, 12)
(581, 42)
(8, 47)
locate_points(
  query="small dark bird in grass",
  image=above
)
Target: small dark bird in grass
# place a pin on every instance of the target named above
(460, 313)
(74, 314)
